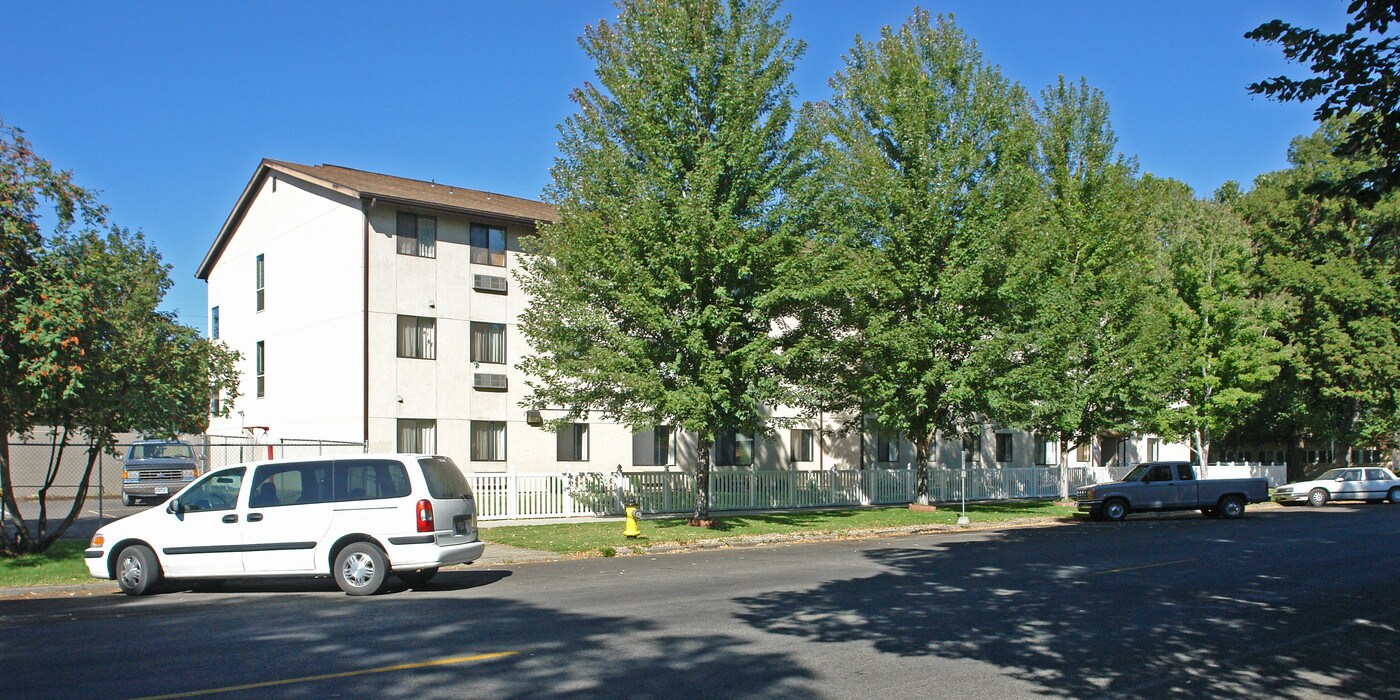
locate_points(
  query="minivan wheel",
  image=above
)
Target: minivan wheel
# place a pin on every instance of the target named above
(138, 572)
(417, 577)
(361, 569)
(1317, 498)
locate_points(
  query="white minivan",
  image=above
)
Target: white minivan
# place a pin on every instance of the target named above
(356, 518)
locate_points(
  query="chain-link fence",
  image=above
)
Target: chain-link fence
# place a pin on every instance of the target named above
(31, 461)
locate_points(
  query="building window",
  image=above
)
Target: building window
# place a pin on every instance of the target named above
(803, 443)
(1081, 452)
(417, 435)
(488, 245)
(1043, 451)
(260, 283)
(733, 449)
(972, 449)
(1004, 454)
(886, 446)
(652, 448)
(214, 323)
(488, 441)
(417, 235)
(418, 337)
(261, 367)
(489, 343)
(572, 445)
(1154, 448)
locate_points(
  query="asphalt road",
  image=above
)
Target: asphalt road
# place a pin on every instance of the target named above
(1285, 602)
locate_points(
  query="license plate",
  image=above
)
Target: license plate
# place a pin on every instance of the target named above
(162, 490)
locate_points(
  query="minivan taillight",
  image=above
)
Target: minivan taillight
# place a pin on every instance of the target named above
(425, 516)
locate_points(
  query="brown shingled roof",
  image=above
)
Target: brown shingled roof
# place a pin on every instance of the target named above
(359, 183)
(428, 193)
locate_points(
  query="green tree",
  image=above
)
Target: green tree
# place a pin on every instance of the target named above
(1333, 259)
(1356, 74)
(923, 162)
(1224, 351)
(83, 350)
(649, 291)
(1086, 355)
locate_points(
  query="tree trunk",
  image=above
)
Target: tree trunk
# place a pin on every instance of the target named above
(702, 480)
(921, 471)
(79, 500)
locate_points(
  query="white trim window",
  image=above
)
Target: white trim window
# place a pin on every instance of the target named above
(488, 441)
(886, 446)
(417, 435)
(733, 449)
(417, 337)
(803, 443)
(417, 235)
(261, 367)
(572, 443)
(488, 343)
(1005, 451)
(259, 282)
(652, 448)
(488, 245)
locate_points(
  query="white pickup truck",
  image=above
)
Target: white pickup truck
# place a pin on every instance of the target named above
(1154, 486)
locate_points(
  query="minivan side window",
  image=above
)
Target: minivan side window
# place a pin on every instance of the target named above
(360, 479)
(218, 491)
(290, 484)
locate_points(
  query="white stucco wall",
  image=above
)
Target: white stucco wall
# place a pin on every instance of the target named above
(311, 323)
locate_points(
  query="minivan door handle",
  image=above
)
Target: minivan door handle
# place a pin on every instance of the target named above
(254, 517)
(230, 518)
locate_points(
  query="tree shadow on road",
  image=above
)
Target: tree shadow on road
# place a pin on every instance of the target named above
(1207, 626)
(321, 645)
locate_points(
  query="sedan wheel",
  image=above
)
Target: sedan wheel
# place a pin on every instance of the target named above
(1317, 498)
(1393, 496)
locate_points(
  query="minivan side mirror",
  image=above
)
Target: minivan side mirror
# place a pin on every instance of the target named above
(175, 506)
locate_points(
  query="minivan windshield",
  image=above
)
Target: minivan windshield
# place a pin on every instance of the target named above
(444, 479)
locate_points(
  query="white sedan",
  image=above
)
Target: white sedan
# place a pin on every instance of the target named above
(1373, 484)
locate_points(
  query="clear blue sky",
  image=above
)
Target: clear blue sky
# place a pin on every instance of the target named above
(167, 107)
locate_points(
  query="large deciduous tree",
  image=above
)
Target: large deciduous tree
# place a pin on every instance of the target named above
(1223, 349)
(84, 353)
(649, 291)
(1356, 72)
(1333, 258)
(924, 159)
(1086, 357)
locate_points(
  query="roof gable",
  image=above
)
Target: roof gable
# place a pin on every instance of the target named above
(367, 185)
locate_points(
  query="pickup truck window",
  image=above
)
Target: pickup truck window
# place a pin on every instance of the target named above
(1161, 472)
(1183, 472)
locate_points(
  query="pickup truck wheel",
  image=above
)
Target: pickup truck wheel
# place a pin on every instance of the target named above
(1114, 510)
(1231, 507)
(1317, 498)
(127, 500)
(1393, 496)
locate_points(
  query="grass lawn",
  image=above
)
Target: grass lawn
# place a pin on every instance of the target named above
(570, 538)
(62, 564)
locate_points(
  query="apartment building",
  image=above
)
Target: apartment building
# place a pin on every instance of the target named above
(380, 308)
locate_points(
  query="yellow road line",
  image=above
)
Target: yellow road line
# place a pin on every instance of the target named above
(1143, 566)
(328, 676)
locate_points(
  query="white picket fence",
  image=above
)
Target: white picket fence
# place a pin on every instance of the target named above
(513, 495)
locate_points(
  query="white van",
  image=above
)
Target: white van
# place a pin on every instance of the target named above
(357, 519)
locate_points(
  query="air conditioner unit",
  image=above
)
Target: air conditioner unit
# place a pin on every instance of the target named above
(490, 283)
(482, 380)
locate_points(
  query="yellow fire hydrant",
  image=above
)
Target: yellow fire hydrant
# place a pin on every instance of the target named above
(631, 530)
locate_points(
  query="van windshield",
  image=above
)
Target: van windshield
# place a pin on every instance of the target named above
(444, 479)
(166, 450)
